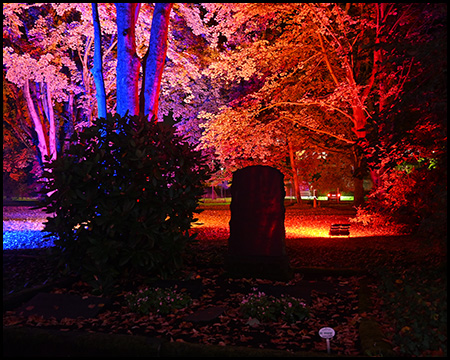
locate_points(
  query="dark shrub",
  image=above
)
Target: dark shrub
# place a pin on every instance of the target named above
(124, 195)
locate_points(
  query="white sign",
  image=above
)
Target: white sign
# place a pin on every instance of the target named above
(326, 333)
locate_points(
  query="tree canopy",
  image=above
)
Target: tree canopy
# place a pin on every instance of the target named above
(249, 83)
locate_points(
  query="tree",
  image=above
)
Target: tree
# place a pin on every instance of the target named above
(48, 53)
(19, 160)
(37, 58)
(270, 75)
(322, 67)
(155, 58)
(127, 61)
(408, 145)
(45, 85)
(409, 124)
(366, 41)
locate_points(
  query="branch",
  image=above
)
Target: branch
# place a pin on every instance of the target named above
(308, 103)
(157, 52)
(337, 137)
(110, 48)
(327, 61)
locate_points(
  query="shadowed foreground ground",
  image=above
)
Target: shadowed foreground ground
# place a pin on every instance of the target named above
(336, 295)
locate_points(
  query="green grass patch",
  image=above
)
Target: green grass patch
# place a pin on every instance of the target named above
(218, 201)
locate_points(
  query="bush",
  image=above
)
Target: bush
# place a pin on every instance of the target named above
(413, 199)
(269, 308)
(124, 195)
(158, 301)
(416, 300)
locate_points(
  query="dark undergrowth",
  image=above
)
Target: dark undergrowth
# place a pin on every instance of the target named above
(408, 281)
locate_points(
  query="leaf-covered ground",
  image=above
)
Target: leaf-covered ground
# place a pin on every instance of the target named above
(308, 245)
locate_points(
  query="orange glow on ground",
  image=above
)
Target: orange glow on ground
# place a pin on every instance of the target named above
(306, 231)
(214, 224)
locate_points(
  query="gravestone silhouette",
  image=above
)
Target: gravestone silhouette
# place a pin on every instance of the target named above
(256, 246)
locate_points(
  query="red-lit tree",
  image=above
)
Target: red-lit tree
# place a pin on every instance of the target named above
(281, 85)
(128, 64)
(260, 79)
(408, 145)
(322, 67)
(155, 58)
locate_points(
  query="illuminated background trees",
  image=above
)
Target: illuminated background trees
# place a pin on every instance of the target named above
(279, 84)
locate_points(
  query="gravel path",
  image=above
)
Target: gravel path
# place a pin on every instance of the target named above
(22, 228)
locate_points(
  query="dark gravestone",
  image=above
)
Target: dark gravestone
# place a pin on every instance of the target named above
(256, 246)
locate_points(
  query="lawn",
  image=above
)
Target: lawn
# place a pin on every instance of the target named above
(407, 278)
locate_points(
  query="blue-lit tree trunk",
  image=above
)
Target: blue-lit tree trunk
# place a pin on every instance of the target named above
(128, 63)
(155, 58)
(97, 70)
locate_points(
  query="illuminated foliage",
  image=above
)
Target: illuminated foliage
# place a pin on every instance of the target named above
(286, 90)
(330, 69)
(124, 196)
(20, 165)
(256, 83)
(37, 56)
(407, 146)
(48, 53)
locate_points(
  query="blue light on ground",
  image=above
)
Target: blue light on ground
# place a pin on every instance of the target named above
(22, 228)
(25, 239)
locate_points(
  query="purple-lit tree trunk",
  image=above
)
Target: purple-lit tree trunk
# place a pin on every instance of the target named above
(97, 70)
(155, 58)
(128, 63)
(42, 143)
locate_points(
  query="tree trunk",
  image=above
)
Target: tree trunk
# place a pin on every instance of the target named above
(358, 177)
(358, 192)
(294, 174)
(128, 63)
(359, 122)
(42, 144)
(156, 57)
(70, 125)
(97, 70)
(86, 77)
(51, 120)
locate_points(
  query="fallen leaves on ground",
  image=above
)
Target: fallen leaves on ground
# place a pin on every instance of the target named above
(339, 311)
(307, 244)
